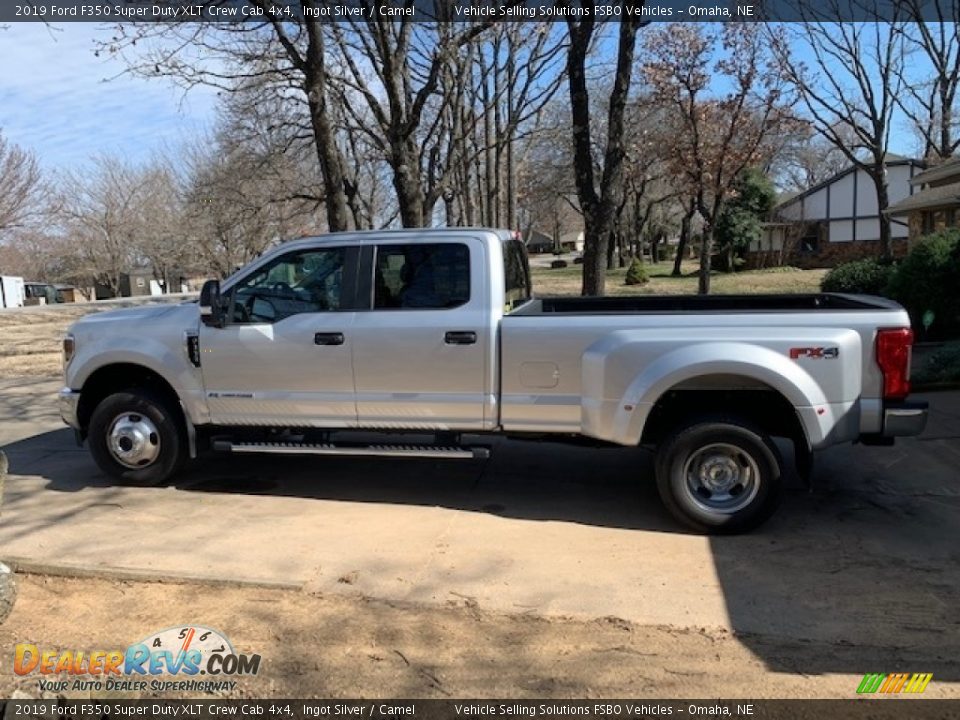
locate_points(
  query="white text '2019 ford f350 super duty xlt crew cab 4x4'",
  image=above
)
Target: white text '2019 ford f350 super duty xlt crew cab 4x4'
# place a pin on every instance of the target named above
(436, 331)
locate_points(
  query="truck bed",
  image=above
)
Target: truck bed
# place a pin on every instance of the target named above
(643, 304)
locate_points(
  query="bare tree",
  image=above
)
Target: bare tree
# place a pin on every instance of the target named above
(238, 201)
(395, 69)
(286, 58)
(601, 201)
(806, 158)
(716, 136)
(853, 86)
(547, 194)
(23, 191)
(930, 103)
(101, 211)
(32, 253)
(161, 241)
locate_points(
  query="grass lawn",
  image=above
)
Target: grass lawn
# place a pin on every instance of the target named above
(566, 281)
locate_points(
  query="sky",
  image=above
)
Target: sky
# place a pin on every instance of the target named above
(65, 104)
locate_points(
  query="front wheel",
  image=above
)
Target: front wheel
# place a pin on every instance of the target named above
(136, 438)
(720, 475)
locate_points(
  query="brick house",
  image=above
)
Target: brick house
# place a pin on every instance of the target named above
(835, 221)
(935, 205)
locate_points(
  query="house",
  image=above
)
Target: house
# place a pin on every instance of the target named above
(572, 241)
(835, 221)
(140, 282)
(67, 292)
(539, 242)
(935, 202)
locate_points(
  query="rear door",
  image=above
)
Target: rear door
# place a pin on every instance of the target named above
(421, 353)
(284, 357)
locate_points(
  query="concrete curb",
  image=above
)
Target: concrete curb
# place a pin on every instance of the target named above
(25, 566)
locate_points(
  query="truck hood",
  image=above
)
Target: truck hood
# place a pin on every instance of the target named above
(146, 318)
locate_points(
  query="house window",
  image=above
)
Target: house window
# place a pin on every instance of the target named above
(926, 220)
(950, 217)
(810, 240)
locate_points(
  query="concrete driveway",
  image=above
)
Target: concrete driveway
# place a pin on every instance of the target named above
(869, 558)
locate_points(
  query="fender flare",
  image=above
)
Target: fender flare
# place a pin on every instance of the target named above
(626, 416)
(156, 357)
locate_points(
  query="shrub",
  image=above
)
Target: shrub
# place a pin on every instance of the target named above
(869, 277)
(943, 366)
(927, 280)
(557, 264)
(663, 253)
(578, 260)
(636, 273)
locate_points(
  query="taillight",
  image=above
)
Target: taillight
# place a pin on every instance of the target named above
(893, 357)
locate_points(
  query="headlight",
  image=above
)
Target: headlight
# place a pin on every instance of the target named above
(69, 344)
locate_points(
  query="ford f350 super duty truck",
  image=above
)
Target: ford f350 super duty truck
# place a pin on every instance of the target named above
(436, 333)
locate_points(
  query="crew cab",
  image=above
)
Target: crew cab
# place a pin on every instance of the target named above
(436, 333)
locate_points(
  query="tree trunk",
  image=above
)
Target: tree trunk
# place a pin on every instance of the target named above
(406, 183)
(709, 215)
(883, 201)
(328, 154)
(684, 239)
(594, 260)
(599, 208)
(706, 246)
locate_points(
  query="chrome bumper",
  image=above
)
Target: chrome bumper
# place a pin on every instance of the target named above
(907, 418)
(69, 400)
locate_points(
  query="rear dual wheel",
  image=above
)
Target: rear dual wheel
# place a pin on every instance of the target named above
(720, 475)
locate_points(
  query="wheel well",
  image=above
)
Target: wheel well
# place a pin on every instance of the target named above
(747, 399)
(123, 376)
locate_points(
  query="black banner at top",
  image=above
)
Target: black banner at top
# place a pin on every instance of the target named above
(878, 708)
(253, 11)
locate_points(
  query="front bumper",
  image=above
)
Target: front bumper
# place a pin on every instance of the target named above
(69, 400)
(904, 418)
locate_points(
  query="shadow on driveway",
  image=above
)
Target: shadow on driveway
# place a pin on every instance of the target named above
(869, 559)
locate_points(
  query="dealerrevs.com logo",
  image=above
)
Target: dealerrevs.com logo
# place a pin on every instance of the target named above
(169, 660)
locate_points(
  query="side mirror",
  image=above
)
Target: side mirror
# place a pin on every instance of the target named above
(211, 307)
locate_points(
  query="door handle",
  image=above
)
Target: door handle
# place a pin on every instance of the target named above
(467, 337)
(331, 338)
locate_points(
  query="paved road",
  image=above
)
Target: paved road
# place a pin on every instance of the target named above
(869, 558)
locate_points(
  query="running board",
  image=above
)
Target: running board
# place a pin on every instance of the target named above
(293, 448)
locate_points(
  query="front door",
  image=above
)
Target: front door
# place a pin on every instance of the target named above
(284, 356)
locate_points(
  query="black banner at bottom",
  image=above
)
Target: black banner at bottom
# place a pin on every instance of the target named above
(874, 708)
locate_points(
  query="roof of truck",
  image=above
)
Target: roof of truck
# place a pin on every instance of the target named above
(370, 236)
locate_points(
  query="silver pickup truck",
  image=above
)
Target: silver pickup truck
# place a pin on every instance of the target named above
(435, 333)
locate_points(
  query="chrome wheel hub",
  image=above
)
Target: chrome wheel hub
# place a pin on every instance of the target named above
(133, 440)
(722, 478)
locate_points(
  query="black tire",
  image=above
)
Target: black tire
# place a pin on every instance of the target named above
(740, 456)
(165, 448)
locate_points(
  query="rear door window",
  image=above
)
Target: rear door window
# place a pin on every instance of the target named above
(421, 276)
(516, 273)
